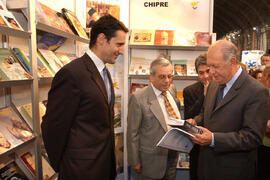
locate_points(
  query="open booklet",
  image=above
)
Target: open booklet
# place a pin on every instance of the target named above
(178, 138)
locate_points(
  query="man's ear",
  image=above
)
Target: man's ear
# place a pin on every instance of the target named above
(233, 60)
(101, 38)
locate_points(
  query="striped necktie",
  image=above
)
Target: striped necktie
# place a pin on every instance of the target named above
(169, 107)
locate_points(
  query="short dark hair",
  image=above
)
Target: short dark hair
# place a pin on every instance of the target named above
(267, 53)
(107, 25)
(200, 60)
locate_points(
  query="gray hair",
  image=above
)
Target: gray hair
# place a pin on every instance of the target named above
(228, 50)
(160, 61)
(200, 60)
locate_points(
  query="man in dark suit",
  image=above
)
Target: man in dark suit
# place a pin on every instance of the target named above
(234, 118)
(77, 128)
(193, 102)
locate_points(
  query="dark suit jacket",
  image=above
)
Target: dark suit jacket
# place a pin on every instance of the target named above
(193, 100)
(77, 128)
(238, 123)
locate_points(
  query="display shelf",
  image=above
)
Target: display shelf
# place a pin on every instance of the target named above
(15, 83)
(11, 151)
(174, 78)
(183, 48)
(14, 32)
(46, 28)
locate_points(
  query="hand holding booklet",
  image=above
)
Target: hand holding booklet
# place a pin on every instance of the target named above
(178, 138)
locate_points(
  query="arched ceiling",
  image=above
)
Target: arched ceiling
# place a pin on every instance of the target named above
(231, 15)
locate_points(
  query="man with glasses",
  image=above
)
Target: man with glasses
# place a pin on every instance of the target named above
(148, 113)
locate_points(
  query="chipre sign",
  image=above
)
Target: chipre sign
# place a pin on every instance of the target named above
(156, 4)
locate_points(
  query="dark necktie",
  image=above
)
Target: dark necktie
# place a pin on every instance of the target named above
(169, 107)
(105, 78)
(220, 93)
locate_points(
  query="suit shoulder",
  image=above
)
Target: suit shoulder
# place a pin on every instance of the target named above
(193, 87)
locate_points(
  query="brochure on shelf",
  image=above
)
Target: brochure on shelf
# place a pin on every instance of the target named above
(13, 131)
(179, 67)
(164, 37)
(52, 59)
(139, 66)
(142, 37)
(202, 38)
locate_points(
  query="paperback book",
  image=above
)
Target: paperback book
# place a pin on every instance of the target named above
(139, 66)
(74, 23)
(202, 38)
(50, 41)
(182, 38)
(10, 68)
(8, 18)
(164, 37)
(13, 131)
(11, 171)
(52, 59)
(142, 37)
(63, 57)
(180, 67)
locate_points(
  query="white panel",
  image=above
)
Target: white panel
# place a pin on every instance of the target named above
(179, 15)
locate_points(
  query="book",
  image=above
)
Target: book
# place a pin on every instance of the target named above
(11, 171)
(41, 59)
(180, 67)
(8, 18)
(139, 66)
(52, 18)
(183, 161)
(142, 37)
(182, 38)
(27, 159)
(191, 71)
(74, 23)
(117, 111)
(63, 57)
(202, 38)
(184, 125)
(50, 41)
(52, 59)
(13, 131)
(164, 37)
(10, 68)
(136, 86)
(26, 112)
(119, 152)
(176, 139)
(43, 71)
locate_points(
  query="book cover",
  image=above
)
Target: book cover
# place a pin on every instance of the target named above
(191, 71)
(13, 131)
(202, 38)
(182, 38)
(9, 18)
(26, 112)
(117, 111)
(164, 37)
(2, 22)
(136, 86)
(119, 152)
(179, 67)
(74, 23)
(139, 66)
(183, 161)
(63, 57)
(11, 171)
(52, 59)
(142, 37)
(10, 68)
(43, 71)
(41, 59)
(28, 158)
(50, 41)
(51, 17)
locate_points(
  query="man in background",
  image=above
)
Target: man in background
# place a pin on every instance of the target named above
(147, 123)
(77, 128)
(234, 117)
(193, 102)
(265, 59)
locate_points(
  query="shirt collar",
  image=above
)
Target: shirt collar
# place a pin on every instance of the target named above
(97, 61)
(236, 75)
(156, 91)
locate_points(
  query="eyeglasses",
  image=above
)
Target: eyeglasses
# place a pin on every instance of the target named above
(162, 77)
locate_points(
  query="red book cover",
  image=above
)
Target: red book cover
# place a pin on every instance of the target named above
(202, 38)
(163, 37)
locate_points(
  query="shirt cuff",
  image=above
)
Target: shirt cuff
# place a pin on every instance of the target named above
(213, 141)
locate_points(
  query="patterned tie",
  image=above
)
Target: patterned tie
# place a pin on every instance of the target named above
(105, 78)
(220, 93)
(169, 107)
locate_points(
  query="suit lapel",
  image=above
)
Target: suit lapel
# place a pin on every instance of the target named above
(96, 75)
(233, 90)
(155, 107)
